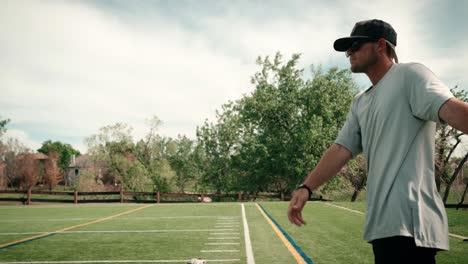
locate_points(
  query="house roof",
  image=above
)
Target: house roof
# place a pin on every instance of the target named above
(40, 156)
(82, 161)
(35, 156)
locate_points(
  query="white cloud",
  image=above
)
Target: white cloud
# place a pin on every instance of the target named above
(22, 137)
(70, 67)
(103, 72)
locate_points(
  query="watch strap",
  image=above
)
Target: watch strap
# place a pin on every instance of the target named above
(303, 186)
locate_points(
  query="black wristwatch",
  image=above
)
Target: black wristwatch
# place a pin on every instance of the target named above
(303, 186)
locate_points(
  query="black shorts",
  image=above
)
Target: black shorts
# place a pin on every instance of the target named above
(401, 250)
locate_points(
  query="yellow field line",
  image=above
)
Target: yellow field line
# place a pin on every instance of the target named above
(72, 227)
(286, 242)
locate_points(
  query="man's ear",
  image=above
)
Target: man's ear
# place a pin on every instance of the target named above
(382, 45)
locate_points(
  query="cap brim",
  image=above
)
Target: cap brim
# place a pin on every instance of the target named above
(343, 44)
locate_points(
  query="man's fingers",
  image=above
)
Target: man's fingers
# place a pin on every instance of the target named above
(295, 209)
(296, 218)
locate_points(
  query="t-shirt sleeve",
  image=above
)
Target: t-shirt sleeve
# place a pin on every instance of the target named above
(426, 93)
(350, 135)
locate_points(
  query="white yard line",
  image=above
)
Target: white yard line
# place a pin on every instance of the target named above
(217, 244)
(118, 231)
(344, 208)
(42, 206)
(219, 250)
(118, 261)
(117, 218)
(248, 244)
(46, 220)
(224, 234)
(224, 238)
(458, 236)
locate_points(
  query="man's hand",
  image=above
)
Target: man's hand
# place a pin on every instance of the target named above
(296, 205)
(329, 165)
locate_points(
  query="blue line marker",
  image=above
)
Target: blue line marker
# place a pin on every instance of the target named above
(27, 241)
(299, 250)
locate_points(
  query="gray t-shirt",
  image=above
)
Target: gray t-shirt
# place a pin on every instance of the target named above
(393, 124)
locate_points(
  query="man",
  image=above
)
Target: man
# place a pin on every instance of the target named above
(393, 124)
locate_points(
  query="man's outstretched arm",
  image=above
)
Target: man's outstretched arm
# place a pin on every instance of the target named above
(455, 113)
(334, 158)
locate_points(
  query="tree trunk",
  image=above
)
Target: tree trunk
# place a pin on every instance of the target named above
(355, 195)
(454, 176)
(440, 164)
(358, 189)
(463, 196)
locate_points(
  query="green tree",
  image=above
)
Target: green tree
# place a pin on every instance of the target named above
(153, 152)
(219, 143)
(3, 147)
(143, 166)
(88, 182)
(3, 124)
(292, 120)
(113, 146)
(64, 151)
(270, 139)
(184, 162)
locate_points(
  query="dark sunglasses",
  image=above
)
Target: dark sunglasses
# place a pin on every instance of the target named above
(357, 44)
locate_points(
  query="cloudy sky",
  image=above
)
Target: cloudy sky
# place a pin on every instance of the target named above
(68, 68)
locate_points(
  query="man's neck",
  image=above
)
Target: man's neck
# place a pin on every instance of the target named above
(379, 70)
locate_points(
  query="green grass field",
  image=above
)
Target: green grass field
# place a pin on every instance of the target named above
(174, 233)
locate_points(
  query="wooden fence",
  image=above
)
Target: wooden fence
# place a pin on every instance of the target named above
(29, 196)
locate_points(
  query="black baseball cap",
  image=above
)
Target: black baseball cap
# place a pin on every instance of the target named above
(367, 29)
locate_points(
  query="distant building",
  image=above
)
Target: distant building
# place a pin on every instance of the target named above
(78, 165)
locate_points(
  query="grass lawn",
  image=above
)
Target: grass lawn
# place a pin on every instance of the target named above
(338, 233)
(178, 232)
